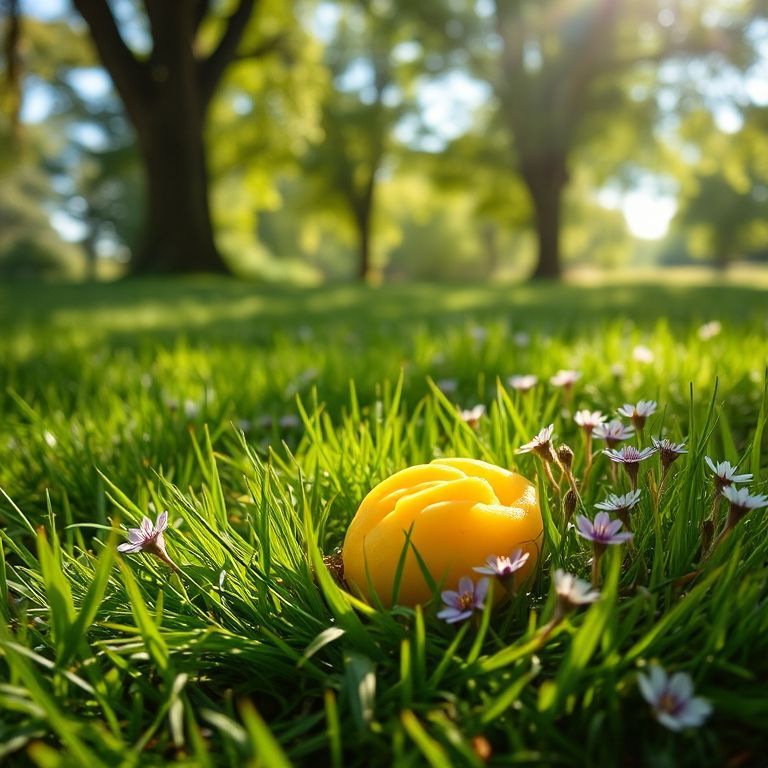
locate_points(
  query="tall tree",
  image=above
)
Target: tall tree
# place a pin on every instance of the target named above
(167, 94)
(379, 54)
(565, 69)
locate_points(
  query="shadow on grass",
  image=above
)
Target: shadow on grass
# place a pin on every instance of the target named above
(229, 310)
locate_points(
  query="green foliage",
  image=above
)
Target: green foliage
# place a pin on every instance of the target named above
(725, 203)
(266, 115)
(253, 654)
(323, 134)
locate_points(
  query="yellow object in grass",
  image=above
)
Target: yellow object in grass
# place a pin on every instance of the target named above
(458, 512)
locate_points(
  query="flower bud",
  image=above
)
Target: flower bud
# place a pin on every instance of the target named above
(565, 457)
(570, 500)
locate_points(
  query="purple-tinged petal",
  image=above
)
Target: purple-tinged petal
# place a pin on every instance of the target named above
(486, 570)
(584, 525)
(680, 686)
(481, 590)
(669, 721)
(162, 521)
(658, 679)
(146, 526)
(466, 585)
(459, 617)
(647, 688)
(450, 597)
(695, 712)
(129, 547)
(602, 519)
(135, 535)
(612, 527)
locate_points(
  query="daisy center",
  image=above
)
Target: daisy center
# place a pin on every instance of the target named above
(669, 703)
(466, 601)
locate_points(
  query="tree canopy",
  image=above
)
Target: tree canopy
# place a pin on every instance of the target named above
(355, 137)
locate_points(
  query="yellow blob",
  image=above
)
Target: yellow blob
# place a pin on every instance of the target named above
(458, 512)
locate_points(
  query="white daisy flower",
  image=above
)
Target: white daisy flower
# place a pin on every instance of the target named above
(472, 415)
(710, 330)
(565, 378)
(669, 451)
(638, 414)
(149, 538)
(541, 443)
(623, 503)
(572, 591)
(743, 500)
(588, 420)
(614, 432)
(725, 474)
(523, 383)
(672, 699)
(643, 354)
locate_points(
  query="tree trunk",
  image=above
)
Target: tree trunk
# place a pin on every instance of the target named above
(364, 248)
(166, 98)
(11, 93)
(178, 236)
(490, 239)
(363, 213)
(91, 256)
(546, 177)
(721, 259)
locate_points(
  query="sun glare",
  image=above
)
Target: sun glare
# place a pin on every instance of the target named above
(648, 216)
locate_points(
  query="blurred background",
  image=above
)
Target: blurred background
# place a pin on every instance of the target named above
(382, 140)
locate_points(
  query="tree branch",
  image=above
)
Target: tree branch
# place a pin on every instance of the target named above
(10, 96)
(203, 6)
(212, 68)
(128, 74)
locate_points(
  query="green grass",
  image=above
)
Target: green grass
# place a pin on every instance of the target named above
(125, 400)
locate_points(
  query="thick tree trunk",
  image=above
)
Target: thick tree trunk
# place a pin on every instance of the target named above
(178, 236)
(166, 98)
(546, 177)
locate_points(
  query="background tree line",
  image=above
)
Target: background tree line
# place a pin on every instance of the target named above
(374, 138)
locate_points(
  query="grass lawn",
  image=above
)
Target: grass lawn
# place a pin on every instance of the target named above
(259, 418)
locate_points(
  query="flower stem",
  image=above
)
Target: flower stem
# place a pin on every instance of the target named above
(623, 515)
(660, 492)
(550, 476)
(632, 470)
(596, 567)
(588, 459)
(720, 539)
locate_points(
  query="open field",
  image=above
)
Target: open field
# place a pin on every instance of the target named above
(259, 418)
